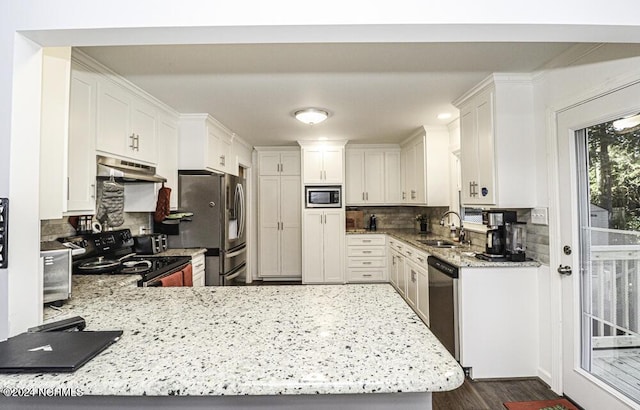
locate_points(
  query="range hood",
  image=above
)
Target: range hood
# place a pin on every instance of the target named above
(127, 171)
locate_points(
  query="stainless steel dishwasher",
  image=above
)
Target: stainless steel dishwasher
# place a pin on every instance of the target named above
(443, 304)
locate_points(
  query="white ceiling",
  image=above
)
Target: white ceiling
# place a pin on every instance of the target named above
(376, 93)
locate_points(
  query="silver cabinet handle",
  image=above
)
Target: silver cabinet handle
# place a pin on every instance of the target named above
(409, 253)
(137, 142)
(366, 251)
(366, 263)
(367, 196)
(421, 259)
(413, 276)
(404, 195)
(366, 240)
(281, 167)
(133, 141)
(366, 275)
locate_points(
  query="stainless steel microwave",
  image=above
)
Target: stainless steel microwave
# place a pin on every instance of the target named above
(323, 196)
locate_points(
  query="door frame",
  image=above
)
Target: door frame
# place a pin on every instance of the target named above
(555, 241)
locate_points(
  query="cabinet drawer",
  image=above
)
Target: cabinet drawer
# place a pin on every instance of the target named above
(396, 245)
(366, 251)
(374, 240)
(367, 262)
(198, 279)
(365, 275)
(416, 256)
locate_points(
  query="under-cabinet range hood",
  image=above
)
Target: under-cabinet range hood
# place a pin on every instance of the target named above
(127, 171)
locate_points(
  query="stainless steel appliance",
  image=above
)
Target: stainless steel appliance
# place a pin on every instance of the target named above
(218, 223)
(112, 253)
(126, 170)
(495, 221)
(57, 272)
(443, 304)
(323, 196)
(150, 244)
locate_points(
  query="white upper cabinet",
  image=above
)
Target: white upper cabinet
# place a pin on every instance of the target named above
(205, 143)
(323, 163)
(279, 162)
(367, 178)
(497, 143)
(425, 167)
(126, 124)
(82, 132)
(168, 154)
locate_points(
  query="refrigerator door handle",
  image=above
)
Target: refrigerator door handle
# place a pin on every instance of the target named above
(236, 253)
(241, 216)
(235, 274)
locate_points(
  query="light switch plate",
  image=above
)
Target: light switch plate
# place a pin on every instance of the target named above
(539, 216)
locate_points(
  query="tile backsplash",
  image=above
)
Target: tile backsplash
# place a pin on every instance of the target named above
(52, 229)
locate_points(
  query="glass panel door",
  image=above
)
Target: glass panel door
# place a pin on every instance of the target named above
(608, 172)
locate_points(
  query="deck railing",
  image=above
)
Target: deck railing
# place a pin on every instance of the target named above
(614, 287)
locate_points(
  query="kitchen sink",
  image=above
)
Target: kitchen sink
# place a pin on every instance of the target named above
(437, 243)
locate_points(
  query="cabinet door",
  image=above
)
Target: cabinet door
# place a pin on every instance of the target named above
(392, 178)
(409, 174)
(313, 251)
(401, 274)
(355, 177)
(393, 269)
(290, 233)
(143, 127)
(412, 283)
(422, 304)
(374, 176)
(168, 155)
(113, 127)
(270, 162)
(213, 157)
(486, 155)
(468, 156)
(269, 220)
(290, 163)
(334, 246)
(332, 165)
(419, 171)
(82, 131)
(313, 171)
(227, 161)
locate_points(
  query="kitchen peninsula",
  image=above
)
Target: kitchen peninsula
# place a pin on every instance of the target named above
(325, 346)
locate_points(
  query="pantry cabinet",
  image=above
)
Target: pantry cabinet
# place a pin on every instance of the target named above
(323, 246)
(205, 143)
(322, 163)
(126, 125)
(497, 142)
(278, 162)
(424, 156)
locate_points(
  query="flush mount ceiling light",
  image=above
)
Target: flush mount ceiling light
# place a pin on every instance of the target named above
(311, 116)
(444, 116)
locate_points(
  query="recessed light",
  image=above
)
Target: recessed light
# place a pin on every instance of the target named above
(444, 116)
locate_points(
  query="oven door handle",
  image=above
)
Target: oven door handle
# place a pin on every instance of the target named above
(236, 253)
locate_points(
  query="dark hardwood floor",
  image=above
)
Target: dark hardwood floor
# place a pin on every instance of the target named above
(490, 394)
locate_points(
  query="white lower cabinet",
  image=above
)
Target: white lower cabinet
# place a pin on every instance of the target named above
(323, 246)
(498, 310)
(197, 266)
(408, 274)
(366, 258)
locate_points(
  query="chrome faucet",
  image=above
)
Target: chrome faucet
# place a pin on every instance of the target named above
(462, 235)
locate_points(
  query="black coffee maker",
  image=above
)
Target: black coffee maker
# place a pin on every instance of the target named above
(495, 220)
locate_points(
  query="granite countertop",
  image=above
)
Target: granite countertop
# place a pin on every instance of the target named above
(253, 340)
(461, 256)
(191, 252)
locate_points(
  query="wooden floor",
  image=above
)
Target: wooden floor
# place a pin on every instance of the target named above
(489, 395)
(620, 368)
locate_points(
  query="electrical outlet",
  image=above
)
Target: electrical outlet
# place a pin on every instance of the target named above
(539, 216)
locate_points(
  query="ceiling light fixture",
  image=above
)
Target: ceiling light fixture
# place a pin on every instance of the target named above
(444, 116)
(311, 116)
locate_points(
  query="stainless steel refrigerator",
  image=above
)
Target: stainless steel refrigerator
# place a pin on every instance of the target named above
(218, 223)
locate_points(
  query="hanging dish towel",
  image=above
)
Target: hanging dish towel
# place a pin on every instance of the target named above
(163, 204)
(111, 204)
